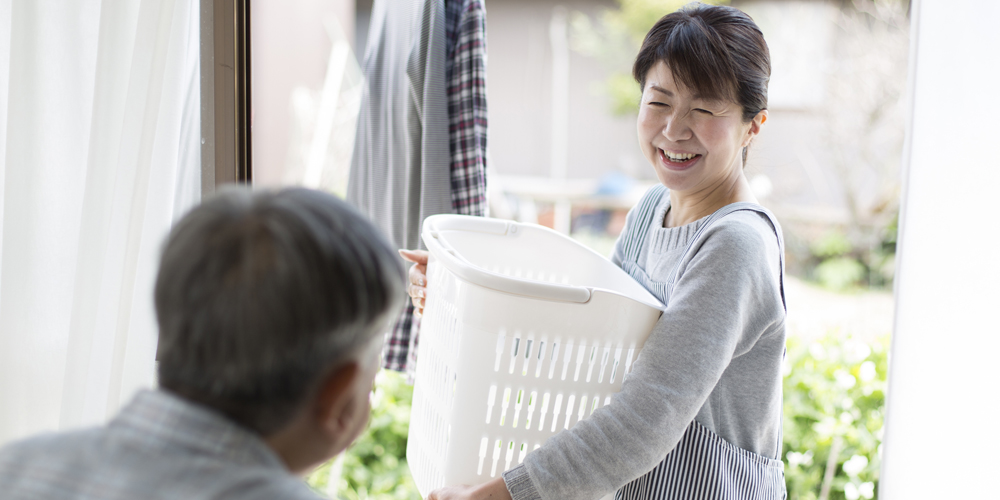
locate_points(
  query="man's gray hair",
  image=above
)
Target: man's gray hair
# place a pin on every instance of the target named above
(259, 294)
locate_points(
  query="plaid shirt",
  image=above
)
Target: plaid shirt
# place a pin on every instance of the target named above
(159, 447)
(465, 37)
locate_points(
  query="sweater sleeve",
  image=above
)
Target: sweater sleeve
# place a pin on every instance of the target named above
(716, 311)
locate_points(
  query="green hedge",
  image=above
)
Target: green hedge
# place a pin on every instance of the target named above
(834, 412)
(834, 397)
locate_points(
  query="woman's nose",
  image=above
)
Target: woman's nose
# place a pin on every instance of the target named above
(676, 129)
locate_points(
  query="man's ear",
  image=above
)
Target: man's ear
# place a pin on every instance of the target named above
(336, 403)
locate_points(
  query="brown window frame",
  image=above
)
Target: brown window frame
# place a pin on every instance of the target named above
(226, 149)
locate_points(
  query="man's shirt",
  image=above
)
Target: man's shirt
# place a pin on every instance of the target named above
(159, 447)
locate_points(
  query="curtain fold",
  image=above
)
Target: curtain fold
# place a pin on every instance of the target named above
(100, 155)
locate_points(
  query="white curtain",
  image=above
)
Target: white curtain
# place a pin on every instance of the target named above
(99, 153)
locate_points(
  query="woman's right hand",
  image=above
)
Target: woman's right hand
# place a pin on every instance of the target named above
(417, 288)
(495, 489)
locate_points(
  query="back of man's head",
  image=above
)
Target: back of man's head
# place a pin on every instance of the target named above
(259, 294)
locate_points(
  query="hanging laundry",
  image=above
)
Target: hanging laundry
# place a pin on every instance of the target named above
(400, 171)
(465, 25)
(449, 57)
(466, 21)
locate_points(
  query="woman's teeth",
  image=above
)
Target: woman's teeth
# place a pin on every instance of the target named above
(678, 157)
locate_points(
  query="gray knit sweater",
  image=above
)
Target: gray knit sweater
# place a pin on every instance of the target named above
(715, 356)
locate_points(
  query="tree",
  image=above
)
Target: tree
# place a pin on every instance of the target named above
(614, 37)
(863, 117)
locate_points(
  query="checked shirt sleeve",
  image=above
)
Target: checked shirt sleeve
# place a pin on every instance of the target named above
(467, 107)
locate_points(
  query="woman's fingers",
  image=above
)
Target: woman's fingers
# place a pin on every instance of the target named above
(450, 493)
(417, 289)
(418, 271)
(495, 490)
(414, 256)
(417, 275)
(418, 302)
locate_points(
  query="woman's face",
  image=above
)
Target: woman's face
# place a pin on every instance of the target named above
(694, 145)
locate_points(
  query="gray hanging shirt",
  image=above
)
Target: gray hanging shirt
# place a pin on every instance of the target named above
(400, 171)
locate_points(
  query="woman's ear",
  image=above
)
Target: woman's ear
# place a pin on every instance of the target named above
(755, 124)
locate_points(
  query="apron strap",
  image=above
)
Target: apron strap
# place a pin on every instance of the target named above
(646, 211)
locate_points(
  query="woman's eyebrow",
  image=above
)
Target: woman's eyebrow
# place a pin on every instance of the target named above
(661, 90)
(670, 93)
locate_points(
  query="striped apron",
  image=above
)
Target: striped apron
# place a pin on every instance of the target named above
(702, 465)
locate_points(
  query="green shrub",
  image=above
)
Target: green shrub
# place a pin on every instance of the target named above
(832, 244)
(613, 36)
(834, 411)
(840, 273)
(841, 263)
(834, 397)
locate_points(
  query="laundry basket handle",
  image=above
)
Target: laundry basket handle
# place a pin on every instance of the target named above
(485, 278)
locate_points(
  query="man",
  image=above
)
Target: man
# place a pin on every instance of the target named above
(271, 308)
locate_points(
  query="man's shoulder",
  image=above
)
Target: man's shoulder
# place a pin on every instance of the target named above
(47, 458)
(266, 486)
(51, 445)
(98, 463)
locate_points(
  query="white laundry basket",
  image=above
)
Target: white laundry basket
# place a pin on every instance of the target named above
(525, 333)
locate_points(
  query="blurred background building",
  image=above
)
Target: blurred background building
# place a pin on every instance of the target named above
(562, 144)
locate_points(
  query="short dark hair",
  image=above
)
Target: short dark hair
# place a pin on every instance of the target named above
(716, 51)
(259, 294)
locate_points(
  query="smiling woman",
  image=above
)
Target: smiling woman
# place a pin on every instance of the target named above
(694, 143)
(704, 98)
(699, 416)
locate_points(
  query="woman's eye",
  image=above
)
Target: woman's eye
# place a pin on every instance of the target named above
(707, 112)
(654, 103)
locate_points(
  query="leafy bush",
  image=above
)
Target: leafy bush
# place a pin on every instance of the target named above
(841, 263)
(834, 412)
(834, 397)
(840, 273)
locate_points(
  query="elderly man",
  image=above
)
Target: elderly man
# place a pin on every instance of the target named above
(271, 308)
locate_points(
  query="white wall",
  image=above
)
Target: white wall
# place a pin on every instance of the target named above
(941, 437)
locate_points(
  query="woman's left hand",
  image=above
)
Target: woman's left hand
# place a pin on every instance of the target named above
(493, 490)
(417, 276)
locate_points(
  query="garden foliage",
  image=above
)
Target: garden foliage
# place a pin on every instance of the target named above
(614, 36)
(834, 410)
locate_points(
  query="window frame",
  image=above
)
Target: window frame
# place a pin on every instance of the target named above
(226, 119)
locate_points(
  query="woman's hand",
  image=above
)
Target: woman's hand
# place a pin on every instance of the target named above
(493, 490)
(417, 288)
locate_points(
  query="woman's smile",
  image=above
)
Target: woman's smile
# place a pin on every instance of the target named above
(677, 160)
(693, 142)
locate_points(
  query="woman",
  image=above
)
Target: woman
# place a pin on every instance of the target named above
(700, 414)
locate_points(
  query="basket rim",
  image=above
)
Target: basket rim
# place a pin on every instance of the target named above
(435, 224)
